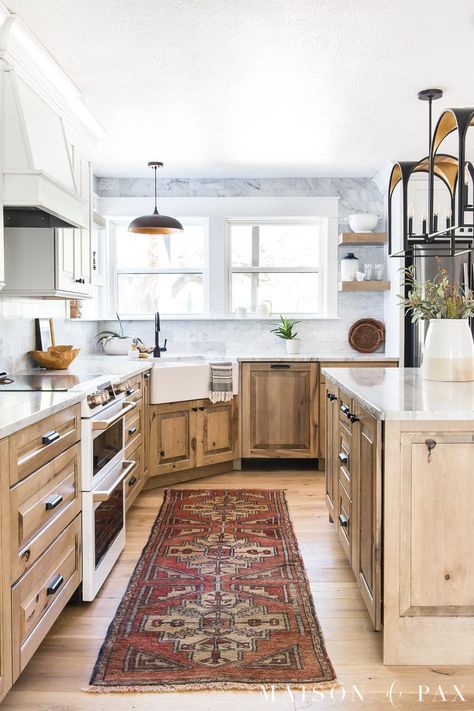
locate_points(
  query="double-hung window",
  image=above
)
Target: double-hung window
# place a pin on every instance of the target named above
(166, 273)
(280, 262)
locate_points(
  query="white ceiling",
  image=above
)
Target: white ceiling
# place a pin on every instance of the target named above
(259, 88)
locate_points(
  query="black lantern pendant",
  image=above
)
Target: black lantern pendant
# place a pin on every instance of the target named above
(155, 224)
(456, 236)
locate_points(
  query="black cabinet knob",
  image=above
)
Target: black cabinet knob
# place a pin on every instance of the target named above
(331, 397)
(343, 520)
(132, 480)
(352, 417)
(343, 457)
(345, 410)
(132, 430)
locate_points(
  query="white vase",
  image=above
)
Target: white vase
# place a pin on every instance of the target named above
(117, 346)
(293, 345)
(449, 351)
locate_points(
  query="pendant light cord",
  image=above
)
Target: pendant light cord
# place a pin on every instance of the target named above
(156, 209)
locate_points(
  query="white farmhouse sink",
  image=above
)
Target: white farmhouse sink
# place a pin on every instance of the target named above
(175, 380)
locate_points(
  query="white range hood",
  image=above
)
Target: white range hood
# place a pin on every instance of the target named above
(37, 102)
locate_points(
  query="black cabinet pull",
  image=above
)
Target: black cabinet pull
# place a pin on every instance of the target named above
(162, 453)
(130, 391)
(331, 397)
(345, 411)
(280, 366)
(132, 430)
(352, 417)
(80, 281)
(132, 480)
(147, 376)
(50, 437)
(202, 409)
(343, 457)
(194, 409)
(53, 502)
(343, 520)
(55, 585)
(25, 556)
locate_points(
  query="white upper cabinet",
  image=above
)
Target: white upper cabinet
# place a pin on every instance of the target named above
(47, 139)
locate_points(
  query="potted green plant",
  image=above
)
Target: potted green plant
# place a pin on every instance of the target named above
(449, 349)
(116, 342)
(285, 331)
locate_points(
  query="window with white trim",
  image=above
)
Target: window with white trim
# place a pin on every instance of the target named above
(166, 273)
(278, 262)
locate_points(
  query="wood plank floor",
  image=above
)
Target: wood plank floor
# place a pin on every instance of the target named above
(62, 666)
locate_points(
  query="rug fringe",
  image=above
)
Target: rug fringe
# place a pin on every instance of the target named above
(216, 686)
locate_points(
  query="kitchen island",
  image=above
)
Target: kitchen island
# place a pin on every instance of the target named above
(400, 489)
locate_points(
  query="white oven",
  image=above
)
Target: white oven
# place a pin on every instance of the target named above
(104, 470)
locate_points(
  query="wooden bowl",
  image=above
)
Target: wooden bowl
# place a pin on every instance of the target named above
(56, 357)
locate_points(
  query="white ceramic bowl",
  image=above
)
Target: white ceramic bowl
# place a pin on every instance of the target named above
(363, 223)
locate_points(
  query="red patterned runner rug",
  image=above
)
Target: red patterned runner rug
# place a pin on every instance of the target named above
(218, 600)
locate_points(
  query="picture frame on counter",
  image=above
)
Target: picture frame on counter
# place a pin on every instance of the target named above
(44, 333)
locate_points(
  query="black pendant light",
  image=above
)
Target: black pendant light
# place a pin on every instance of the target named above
(155, 224)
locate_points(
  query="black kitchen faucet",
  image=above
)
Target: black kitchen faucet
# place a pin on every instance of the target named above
(158, 349)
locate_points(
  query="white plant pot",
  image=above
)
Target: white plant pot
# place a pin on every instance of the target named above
(117, 346)
(449, 351)
(293, 345)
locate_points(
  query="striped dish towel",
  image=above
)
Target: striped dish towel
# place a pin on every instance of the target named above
(221, 386)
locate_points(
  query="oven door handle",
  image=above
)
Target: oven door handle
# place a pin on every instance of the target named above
(105, 424)
(105, 494)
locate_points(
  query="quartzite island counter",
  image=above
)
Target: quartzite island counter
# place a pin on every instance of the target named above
(400, 489)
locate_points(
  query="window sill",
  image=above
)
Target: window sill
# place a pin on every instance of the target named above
(212, 317)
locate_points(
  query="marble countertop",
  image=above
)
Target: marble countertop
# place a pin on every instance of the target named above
(402, 394)
(18, 410)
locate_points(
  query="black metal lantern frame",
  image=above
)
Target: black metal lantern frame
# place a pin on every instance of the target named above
(457, 236)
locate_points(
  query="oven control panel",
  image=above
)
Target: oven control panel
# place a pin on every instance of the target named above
(104, 395)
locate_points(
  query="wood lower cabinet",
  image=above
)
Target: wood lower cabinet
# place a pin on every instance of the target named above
(322, 394)
(196, 433)
(146, 426)
(172, 437)
(354, 491)
(367, 498)
(217, 432)
(328, 413)
(280, 407)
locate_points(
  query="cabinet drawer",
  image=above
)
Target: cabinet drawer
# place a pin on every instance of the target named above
(134, 481)
(344, 459)
(344, 408)
(41, 594)
(344, 522)
(34, 446)
(41, 507)
(133, 430)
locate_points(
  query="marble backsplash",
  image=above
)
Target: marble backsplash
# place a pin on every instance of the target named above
(17, 330)
(355, 194)
(251, 337)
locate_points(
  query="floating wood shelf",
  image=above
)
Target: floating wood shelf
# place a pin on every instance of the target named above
(363, 285)
(361, 238)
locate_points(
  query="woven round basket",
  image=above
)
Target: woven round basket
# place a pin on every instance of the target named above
(367, 335)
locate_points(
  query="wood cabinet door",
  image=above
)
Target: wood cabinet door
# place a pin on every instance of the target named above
(329, 412)
(146, 425)
(280, 410)
(367, 506)
(172, 437)
(217, 432)
(5, 596)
